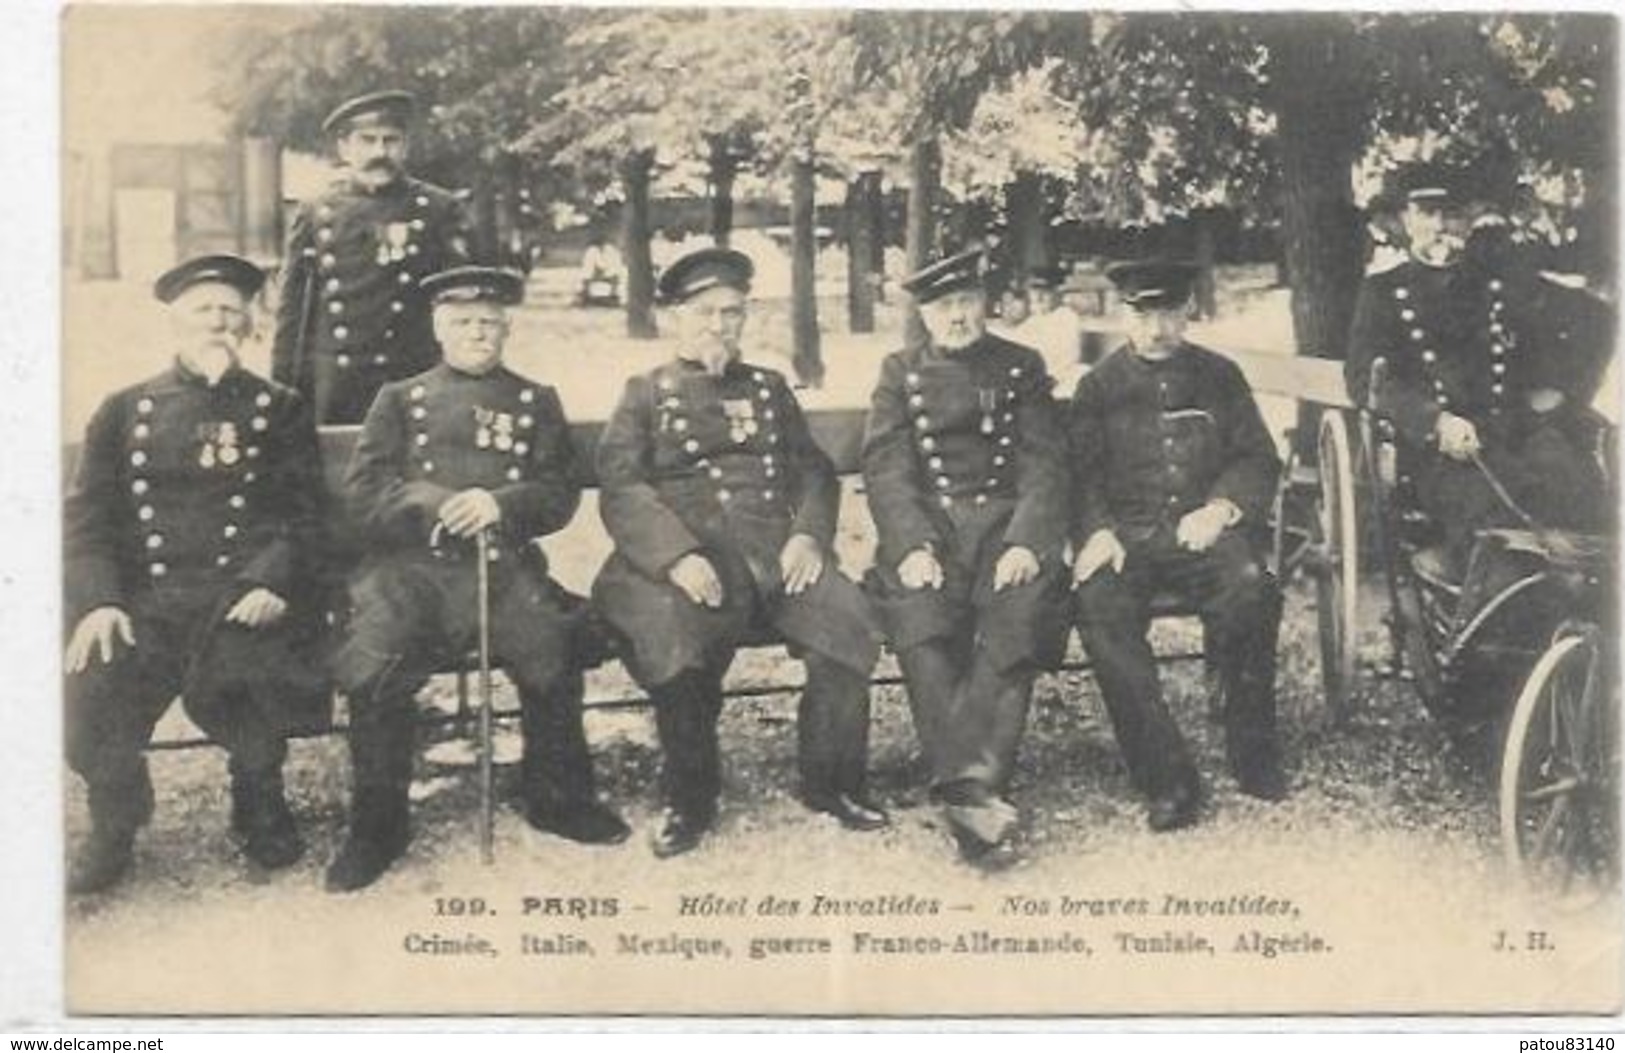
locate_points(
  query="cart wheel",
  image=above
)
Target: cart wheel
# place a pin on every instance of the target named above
(1559, 773)
(1420, 639)
(1337, 583)
(1278, 530)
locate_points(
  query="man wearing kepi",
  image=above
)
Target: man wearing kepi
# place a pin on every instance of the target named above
(352, 316)
(188, 528)
(723, 510)
(468, 447)
(962, 461)
(1173, 474)
(1487, 370)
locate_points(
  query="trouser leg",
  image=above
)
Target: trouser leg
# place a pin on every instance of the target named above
(687, 708)
(110, 713)
(984, 723)
(932, 671)
(234, 695)
(1113, 622)
(556, 768)
(832, 730)
(1241, 613)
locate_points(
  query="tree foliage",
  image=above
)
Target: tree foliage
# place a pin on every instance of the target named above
(477, 72)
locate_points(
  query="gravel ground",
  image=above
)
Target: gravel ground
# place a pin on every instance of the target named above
(1387, 848)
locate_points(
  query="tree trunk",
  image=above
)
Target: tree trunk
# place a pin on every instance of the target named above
(924, 170)
(505, 212)
(1207, 292)
(806, 355)
(262, 197)
(1028, 248)
(875, 211)
(484, 215)
(723, 169)
(636, 172)
(1316, 71)
(862, 281)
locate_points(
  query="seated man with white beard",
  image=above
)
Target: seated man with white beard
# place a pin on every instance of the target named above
(190, 525)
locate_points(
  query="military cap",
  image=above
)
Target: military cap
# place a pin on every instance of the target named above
(1433, 181)
(473, 284)
(705, 269)
(1086, 277)
(1046, 277)
(1152, 284)
(962, 270)
(222, 268)
(393, 108)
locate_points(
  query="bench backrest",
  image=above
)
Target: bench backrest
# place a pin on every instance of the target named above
(840, 431)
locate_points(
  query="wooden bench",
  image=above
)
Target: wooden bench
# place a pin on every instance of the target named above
(840, 433)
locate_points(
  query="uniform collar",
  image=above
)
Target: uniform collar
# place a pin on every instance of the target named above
(449, 372)
(976, 347)
(1173, 358)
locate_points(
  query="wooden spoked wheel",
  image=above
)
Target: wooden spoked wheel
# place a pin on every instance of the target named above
(1559, 776)
(1338, 574)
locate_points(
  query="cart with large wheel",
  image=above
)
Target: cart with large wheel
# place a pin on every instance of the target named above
(1523, 643)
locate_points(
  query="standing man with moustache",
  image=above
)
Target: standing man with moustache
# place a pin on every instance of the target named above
(963, 464)
(189, 528)
(723, 512)
(352, 316)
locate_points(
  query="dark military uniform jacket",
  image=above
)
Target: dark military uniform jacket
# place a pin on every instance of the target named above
(184, 486)
(433, 435)
(962, 455)
(359, 255)
(1472, 339)
(1152, 441)
(726, 467)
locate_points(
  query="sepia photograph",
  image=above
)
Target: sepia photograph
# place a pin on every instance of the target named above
(837, 512)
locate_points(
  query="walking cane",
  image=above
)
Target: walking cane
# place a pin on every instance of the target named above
(483, 599)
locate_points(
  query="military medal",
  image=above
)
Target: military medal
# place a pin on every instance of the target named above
(229, 453)
(503, 428)
(393, 239)
(483, 421)
(989, 400)
(741, 417)
(667, 405)
(219, 444)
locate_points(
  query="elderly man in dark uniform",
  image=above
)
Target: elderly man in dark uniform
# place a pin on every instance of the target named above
(723, 509)
(1486, 373)
(1173, 474)
(468, 447)
(188, 525)
(963, 465)
(352, 316)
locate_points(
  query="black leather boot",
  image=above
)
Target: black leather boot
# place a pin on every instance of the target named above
(379, 834)
(104, 860)
(261, 818)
